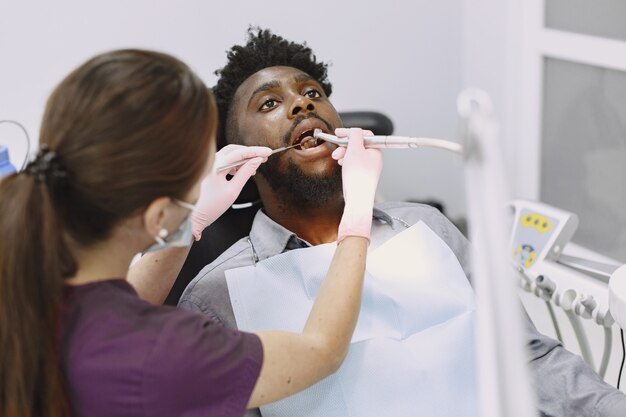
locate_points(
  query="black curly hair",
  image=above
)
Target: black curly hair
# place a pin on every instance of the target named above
(262, 50)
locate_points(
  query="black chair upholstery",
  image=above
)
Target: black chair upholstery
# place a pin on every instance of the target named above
(368, 120)
(237, 221)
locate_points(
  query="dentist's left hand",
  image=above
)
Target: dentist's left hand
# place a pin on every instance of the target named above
(217, 193)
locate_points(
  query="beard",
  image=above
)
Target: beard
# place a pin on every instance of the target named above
(297, 189)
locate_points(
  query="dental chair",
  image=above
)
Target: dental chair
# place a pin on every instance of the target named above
(237, 221)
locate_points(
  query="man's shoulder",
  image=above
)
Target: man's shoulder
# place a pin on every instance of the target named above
(209, 287)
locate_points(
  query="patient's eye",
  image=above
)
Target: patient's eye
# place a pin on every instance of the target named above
(268, 104)
(312, 93)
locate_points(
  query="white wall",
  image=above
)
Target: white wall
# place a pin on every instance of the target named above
(402, 58)
(492, 53)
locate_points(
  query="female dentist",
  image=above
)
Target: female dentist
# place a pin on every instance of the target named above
(125, 142)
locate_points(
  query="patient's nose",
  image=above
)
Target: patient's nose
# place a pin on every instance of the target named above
(301, 104)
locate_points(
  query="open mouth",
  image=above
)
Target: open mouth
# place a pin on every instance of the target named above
(307, 141)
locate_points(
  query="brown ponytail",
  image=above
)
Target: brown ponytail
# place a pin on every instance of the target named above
(32, 253)
(126, 128)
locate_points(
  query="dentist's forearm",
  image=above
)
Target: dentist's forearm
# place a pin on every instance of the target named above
(336, 309)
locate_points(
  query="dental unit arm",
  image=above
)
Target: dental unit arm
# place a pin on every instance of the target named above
(617, 296)
(393, 142)
(503, 382)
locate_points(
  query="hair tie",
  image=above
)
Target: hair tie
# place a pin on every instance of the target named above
(46, 165)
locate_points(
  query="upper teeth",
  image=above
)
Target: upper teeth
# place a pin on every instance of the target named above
(308, 143)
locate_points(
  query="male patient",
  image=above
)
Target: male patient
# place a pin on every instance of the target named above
(273, 92)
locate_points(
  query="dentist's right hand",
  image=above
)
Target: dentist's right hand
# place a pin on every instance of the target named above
(217, 193)
(361, 169)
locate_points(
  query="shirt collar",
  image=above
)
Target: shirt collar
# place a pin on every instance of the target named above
(270, 238)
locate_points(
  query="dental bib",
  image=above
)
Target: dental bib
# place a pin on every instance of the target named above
(412, 352)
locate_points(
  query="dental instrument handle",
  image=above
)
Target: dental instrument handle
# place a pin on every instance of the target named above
(233, 165)
(396, 142)
(400, 142)
(243, 161)
(581, 337)
(606, 354)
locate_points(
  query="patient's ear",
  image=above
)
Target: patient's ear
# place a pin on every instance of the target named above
(154, 215)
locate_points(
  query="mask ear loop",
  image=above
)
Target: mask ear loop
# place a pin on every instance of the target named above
(160, 238)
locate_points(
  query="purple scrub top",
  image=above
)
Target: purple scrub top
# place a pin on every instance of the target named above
(123, 356)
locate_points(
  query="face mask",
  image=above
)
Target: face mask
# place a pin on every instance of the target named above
(182, 237)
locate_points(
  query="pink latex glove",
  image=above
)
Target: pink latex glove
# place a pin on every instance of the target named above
(217, 193)
(360, 173)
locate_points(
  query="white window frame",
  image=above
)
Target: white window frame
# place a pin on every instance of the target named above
(537, 43)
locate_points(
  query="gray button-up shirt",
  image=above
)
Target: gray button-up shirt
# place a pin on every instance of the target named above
(564, 384)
